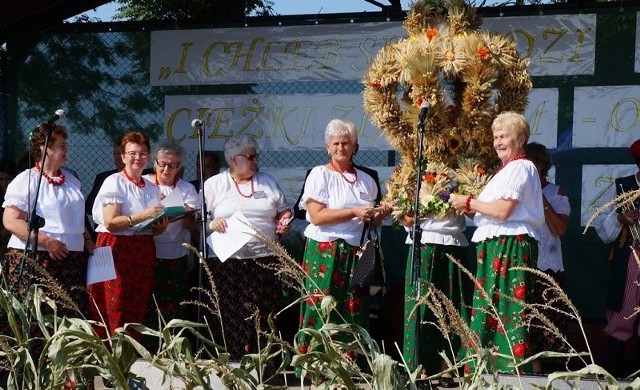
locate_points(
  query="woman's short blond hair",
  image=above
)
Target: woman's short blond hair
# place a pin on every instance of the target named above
(512, 121)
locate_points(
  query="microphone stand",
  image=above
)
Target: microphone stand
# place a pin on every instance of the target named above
(416, 237)
(35, 222)
(203, 221)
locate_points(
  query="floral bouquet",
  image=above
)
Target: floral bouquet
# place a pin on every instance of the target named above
(471, 176)
(437, 182)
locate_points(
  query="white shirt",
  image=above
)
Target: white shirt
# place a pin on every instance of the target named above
(62, 207)
(169, 244)
(549, 245)
(517, 180)
(606, 224)
(330, 188)
(442, 231)
(117, 189)
(260, 208)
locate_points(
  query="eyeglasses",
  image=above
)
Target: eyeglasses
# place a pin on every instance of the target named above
(170, 165)
(138, 154)
(251, 157)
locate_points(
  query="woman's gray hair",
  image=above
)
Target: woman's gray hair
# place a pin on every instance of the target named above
(340, 128)
(168, 146)
(235, 145)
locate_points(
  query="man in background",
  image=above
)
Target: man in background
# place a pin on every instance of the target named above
(623, 295)
(211, 167)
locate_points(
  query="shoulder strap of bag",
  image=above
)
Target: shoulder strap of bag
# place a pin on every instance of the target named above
(366, 233)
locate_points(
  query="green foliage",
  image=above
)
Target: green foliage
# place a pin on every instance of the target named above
(198, 11)
(41, 348)
(332, 363)
(102, 97)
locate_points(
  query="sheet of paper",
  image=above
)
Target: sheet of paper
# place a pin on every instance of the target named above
(100, 267)
(173, 199)
(224, 245)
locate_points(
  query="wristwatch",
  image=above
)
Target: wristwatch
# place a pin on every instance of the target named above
(130, 221)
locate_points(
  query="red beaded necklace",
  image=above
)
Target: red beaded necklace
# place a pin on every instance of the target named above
(55, 181)
(139, 185)
(342, 174)
(238, 188)
(518, 157)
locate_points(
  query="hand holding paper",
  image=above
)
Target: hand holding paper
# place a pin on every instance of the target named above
(236, 234)
(100, 266)
(171, 207)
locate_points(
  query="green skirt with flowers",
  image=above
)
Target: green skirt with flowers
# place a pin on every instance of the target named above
(329, 267)
(498, 311)
(437, 271)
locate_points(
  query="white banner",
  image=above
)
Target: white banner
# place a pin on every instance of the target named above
(596, 180)
(278, 122)
(298, 121)
(542, 114)
(606, 116)
(268, 54)
(556, 45)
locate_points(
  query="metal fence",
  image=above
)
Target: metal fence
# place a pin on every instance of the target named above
(100, 77)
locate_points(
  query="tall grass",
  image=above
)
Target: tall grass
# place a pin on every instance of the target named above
(73, 345)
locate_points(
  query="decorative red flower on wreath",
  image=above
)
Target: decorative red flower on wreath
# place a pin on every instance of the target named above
(431, 33)
(483, 53)
(429, 178)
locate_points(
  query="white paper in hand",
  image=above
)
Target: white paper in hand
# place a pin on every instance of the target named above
(173, 199)
(237, 234)
(100, 266)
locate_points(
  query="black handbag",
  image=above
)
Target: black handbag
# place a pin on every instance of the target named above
(369, 269)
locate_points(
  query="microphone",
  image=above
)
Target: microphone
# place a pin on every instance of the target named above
(196, 123)
(59, 114)
(424, 110)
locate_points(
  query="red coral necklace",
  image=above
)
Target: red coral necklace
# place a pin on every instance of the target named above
(518, 157)
(55, 181)
(140, 184)
(238, 187)
(342, 174)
